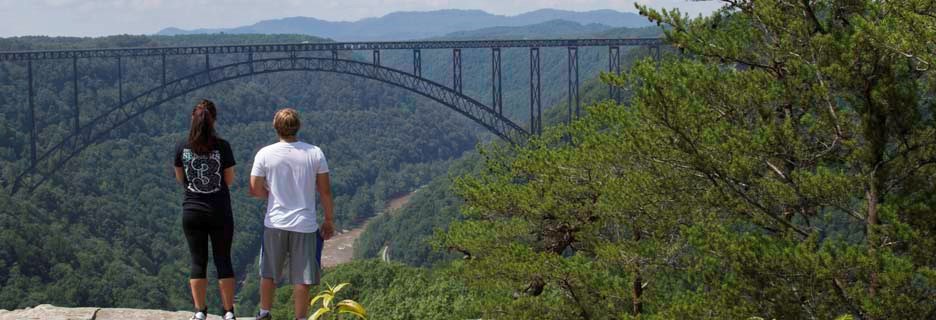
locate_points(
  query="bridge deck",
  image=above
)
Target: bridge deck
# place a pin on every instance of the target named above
(320, 46)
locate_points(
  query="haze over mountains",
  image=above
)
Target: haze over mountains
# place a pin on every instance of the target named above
(419, 25)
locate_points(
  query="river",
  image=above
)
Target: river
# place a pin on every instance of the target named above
(340, 248)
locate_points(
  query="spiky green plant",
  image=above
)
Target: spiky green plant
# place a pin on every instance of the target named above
(344, 306)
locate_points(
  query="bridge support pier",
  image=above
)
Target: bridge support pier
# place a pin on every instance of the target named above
(536, 105)
(456, 70)
(417, 63)
(614, 67)
(75, 124)
(163, 69)
(32, 113)
(497, 95)
(120, 80)
(376, 57)
(573, 83)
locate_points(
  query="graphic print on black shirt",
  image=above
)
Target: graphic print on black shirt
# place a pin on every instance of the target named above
(202, 172)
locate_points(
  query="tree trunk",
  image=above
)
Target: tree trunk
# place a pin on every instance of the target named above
(638, 290)
(875, 132)
(638, 287)
(873, 198)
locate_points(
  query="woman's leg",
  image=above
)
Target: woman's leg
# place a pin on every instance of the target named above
(199, 291)
(227, 292)
(221, 240)
(197, 238)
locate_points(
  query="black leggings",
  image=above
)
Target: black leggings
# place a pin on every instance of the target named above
(201, 226)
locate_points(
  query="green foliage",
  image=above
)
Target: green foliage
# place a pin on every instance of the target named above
(395, 291)
(782, 167)
(406, 234)
(345, 306)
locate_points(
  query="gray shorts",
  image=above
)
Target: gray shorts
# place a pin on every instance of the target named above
(293, 257)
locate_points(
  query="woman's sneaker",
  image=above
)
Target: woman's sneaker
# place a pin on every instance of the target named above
(229, 315)
(268, 316)
(200, 315)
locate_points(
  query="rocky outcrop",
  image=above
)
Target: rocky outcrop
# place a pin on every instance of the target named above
(50, 312)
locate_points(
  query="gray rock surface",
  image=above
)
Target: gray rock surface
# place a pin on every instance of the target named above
(50, 312)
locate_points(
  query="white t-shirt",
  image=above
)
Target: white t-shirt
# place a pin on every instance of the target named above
(290, 169)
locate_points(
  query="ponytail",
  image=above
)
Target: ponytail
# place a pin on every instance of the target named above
(202, 137)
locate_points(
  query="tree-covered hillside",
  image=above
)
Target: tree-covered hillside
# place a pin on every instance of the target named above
(105, 229)
(407, 233)
(781, 168)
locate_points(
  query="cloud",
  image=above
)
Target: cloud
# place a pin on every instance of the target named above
(59, 3)
(692, 8)
(151, 4)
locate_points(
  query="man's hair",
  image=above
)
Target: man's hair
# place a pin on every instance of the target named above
(286, 122)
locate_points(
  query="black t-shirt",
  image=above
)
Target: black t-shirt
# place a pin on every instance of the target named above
(205, 189)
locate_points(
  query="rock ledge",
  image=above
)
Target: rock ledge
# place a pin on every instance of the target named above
(50, 312)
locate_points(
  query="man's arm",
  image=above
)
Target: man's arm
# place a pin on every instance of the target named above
(323, 185)
(258, 187)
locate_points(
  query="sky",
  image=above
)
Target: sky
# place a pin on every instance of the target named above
(108, 17)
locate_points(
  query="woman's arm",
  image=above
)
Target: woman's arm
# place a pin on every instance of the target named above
(179, 175)
(229, 176)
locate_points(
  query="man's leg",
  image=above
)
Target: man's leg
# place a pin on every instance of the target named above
(272, 258)
(301, 300)
(267, 293)
(304, 269)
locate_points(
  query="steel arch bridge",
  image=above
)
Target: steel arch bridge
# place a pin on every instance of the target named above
(491, 117)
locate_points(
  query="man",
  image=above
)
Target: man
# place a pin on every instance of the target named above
(287, 174)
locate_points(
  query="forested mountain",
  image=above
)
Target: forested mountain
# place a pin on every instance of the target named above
(416, 25)
(781, 166)
(104, 231)
(553, 28)
(407, 234)
(784, 171)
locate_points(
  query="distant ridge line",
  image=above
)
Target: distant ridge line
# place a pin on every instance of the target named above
(413, 25)
(7, 56)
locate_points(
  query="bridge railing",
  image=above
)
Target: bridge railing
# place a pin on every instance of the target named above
(323, 46)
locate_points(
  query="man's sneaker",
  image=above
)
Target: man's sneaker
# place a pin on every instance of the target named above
(229, 315)
(268, 316)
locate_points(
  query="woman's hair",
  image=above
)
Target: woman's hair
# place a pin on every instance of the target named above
(202, 137)
(286, 122)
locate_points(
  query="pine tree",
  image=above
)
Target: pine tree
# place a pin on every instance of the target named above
(781, 165)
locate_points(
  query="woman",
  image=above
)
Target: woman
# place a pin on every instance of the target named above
(204, 165)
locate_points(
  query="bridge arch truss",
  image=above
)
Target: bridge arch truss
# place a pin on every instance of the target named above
(42, 166)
